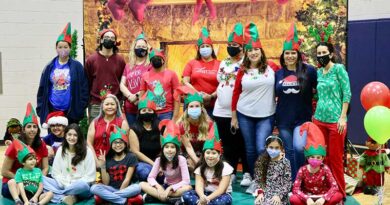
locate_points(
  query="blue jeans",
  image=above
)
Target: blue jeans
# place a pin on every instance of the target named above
(165, 115)
(113, 195)
(131, 118)
(142, 170)
(254, 131)
(78, 188)
(192, 198)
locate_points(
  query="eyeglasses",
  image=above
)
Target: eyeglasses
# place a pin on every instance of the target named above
(118, 142)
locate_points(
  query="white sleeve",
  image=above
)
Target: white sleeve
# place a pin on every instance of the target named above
(58, 168)
(90, 170)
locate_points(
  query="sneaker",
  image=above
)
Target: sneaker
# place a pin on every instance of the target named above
(147, 198)
(252, 188)
(174, 200)
(135, 200)
(246, 179)
(233, 178)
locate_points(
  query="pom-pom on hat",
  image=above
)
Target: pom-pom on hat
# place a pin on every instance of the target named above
(204, 37)
(213, 141)
(191, 95)
(54, 118)
(117, 133)
(22, 149)
(315, 141)
(156, 52)
(251, 36)
(66, 34)
(237, 35)
(171, 133)
(30, 116)
(147, 101)
(292, 42)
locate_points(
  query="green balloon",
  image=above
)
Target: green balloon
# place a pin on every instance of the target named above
(377, 124)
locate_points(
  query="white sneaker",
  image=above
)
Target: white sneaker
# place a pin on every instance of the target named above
(252, 188)
(246, 179)
(233, 178)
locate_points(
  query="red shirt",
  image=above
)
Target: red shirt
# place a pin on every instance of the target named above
(162, 84)
(103, 71)
(101, 141)
(40, 152)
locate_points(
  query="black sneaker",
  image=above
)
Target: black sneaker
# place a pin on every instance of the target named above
(148, 199)
(174, 200)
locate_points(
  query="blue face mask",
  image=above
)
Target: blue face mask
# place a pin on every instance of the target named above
(273, 152)
(205, 52)
(194, 113)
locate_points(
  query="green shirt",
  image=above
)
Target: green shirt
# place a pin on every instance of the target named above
(333, 90)
(29, 178)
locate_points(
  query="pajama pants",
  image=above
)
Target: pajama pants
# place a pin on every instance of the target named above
(191, 198)
(336, 198)
(110, 194)
(77, 188)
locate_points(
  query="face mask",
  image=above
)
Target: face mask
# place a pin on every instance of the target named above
(140, 52)
(273, 152)
(107, 43)
(169, 158)
(323, 60)
(212, 163)
(63, 53)
(314, 162)
(205, 52)
(156, 62)
(194, 113)
(233, 51)
(146, 117)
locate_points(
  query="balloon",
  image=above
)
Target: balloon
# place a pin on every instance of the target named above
(373, 94)
(377, 123)
(388, 101)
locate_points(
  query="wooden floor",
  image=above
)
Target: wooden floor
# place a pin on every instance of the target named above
(361, 198)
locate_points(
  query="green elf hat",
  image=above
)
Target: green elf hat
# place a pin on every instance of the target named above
(237, 35)
(171, 132)
(315, 141)
(204, 37)
(117, 133)
(146, 101)
(22, 149)
(156, 52)
(66, 34)
(191, 95)
(31, 116)
(141, 36)
(292, 41)
(213, 141)
(251, 36)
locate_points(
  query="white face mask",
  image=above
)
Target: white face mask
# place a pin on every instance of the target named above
(205, 52)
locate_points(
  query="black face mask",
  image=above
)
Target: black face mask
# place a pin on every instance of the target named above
(323, 60)
(233, 51)
(146, 117)
(107, 43)
(156, 62)
(140, 52)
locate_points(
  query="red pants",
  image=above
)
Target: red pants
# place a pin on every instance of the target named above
(334, 151)
(337, 197)
(374, 178)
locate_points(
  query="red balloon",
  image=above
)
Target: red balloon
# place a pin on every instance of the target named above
(374, 94)
(388, 100)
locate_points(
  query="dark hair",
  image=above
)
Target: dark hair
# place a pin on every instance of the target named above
(164, 161)
(264, 159)
(217, 168)
(28, 156)
(80, 146)
(37, 139)
(262, 65)
(301, 70)
(63, 41)
(139, 128)
(198, 56)
(111, 153)
(330, 49)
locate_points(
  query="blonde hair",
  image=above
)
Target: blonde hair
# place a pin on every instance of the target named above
(204, 120)
(133, 57)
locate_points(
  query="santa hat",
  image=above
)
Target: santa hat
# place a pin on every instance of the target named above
(171, 132)
(315, 141)
(191, 95)
(237, 34)
(251, 37)
(22, 149)
(104, 31)
(156, 52)
(55, 118)
(213, 141)
(292, 41)
(117, 133)
(146, 101)
(30, 116)
(204, 37)
(66, 34)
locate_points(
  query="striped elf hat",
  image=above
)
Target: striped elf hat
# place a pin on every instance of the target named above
(292, 41)
(315, 141)
(118, 133)
(213, 141)
(22, 149)
(66, 34)
(146, 101)
(237, 35)
(251, 36)
(30, 116)
(204, 37)
(171, 133)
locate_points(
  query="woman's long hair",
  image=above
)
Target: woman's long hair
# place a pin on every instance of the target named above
(139, 128)
(217, 168)
(80, 146)
(133, 57)
(301, 70)
(164, 161)
(37, 139)
(118, 106)
(203, 124)
(261, 65)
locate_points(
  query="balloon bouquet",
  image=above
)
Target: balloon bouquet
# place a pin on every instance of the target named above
(375, 98)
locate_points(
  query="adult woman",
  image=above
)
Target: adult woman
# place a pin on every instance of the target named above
(98, 131)
(29, 136)
(64, 84)
(334, 95)
(254, 89)
(201, 73)
(232, 140)
(294, 87)
(144, 137)
(130, 83)
(73, 169)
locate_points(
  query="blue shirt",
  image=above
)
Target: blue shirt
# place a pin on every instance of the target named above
(59, 96)
(294, 107)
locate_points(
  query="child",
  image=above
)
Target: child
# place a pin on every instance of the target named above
(315, 183)
(14, 128)
(272, 174)
(28, 179)
(173, 165)
(117, 169)
(212, 176)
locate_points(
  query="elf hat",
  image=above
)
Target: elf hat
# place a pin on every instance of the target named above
(171, 132)
(204, 37)
(315, 141)
(156, 52)
(251, 37)
(54, 118)
(146, 101)
(191, 95)
(117, 133)
(13, 122)
(141, 36)
(292, 42)
(66, 34)
(104, 31)
(22, 149)
(30, 116)
(213, 141)
(237, 34)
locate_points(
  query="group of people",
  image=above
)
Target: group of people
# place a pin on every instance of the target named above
(229, 113)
